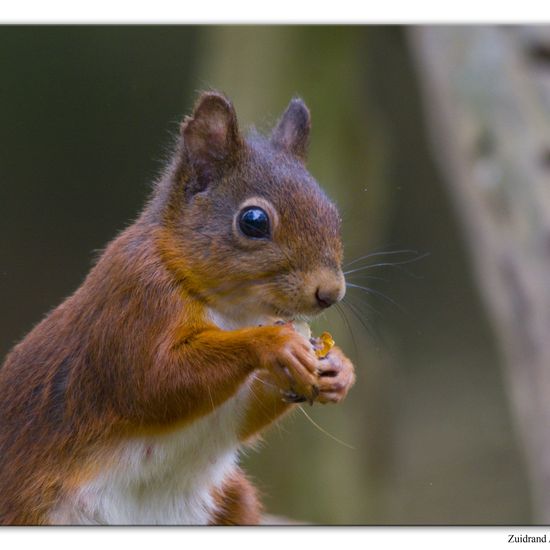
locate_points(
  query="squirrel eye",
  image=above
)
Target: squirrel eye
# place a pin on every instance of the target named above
(254, 222)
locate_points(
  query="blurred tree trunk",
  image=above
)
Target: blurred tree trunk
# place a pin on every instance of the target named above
(487, 96)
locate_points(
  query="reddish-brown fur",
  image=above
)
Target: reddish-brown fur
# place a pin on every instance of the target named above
(238, 502)
(132, 351)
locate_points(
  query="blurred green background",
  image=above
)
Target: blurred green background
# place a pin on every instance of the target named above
(87, 118)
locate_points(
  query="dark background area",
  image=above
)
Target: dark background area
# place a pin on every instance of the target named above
(87, 116)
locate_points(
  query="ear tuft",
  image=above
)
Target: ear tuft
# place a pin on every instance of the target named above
(292, 131)
(211, 134)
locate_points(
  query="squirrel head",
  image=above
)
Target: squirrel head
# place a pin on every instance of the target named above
(249, 226)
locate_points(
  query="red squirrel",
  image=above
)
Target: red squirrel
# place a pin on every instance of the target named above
(129, 402)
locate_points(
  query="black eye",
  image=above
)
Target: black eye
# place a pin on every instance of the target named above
(254, 222)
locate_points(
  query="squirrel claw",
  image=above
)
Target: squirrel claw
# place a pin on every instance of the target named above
(291, 397)
(314, 394)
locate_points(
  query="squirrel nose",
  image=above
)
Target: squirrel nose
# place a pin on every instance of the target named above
(326, 297)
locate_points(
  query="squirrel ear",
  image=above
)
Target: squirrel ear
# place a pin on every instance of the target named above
(292, 131)
(210, 136)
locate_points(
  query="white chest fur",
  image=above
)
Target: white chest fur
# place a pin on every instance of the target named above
(164, 479)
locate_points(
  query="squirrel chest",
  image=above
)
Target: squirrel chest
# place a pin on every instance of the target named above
(164, 479)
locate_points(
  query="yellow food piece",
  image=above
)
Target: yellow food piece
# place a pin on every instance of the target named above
(327, 344)
(321, 345)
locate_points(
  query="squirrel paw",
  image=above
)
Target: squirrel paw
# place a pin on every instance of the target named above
(293, 367)
(336, 377)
